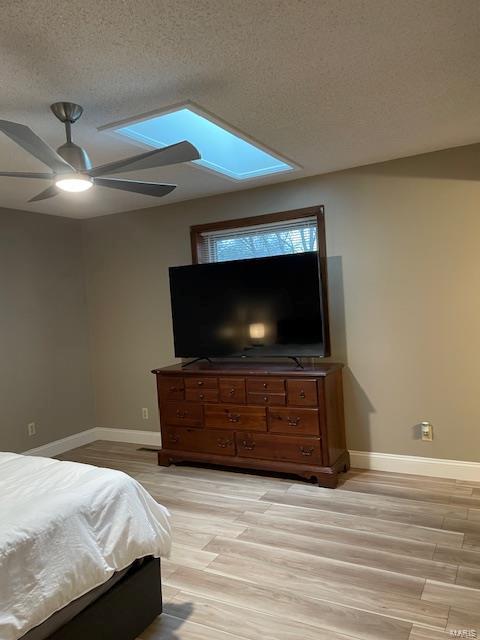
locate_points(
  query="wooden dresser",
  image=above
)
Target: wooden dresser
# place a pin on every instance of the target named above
(265, 417)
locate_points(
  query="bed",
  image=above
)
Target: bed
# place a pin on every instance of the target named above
(79, 551)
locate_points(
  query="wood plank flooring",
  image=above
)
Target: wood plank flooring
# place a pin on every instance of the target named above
(383, 557)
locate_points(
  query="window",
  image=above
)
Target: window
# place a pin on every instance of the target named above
(221, 149)
(262, 236)
(260, 241)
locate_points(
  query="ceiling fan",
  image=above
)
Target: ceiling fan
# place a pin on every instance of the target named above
(71, 168)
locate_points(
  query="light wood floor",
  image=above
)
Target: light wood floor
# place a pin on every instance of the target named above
(384, 557)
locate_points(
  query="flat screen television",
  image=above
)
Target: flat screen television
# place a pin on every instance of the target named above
(258, 307)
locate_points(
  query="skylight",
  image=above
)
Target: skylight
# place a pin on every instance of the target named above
(221, 150)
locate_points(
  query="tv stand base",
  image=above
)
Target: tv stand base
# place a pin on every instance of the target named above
(297, 362)
(187, 364)
(243, 357)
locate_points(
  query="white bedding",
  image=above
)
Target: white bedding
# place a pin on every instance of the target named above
(65, 528)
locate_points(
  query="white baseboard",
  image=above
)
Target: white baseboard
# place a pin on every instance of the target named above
(147, 438)
(57, 447)
(433, 467)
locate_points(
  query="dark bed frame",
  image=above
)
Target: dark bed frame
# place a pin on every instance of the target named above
(121, 613)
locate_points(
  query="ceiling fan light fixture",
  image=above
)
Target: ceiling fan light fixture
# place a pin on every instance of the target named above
(74, 183)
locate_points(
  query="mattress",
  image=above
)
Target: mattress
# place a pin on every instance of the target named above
(65, 529)
(60, 618)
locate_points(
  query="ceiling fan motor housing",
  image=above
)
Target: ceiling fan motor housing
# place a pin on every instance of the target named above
(75, 155)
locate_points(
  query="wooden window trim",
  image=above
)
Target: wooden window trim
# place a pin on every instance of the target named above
(308, 212)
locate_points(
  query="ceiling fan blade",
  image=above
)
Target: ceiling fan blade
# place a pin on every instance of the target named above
(145, 188)
(29, 141)
(23, 174)
(49, 192)
(175, 153)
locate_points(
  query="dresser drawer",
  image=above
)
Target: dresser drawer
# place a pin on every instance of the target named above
(266, 399)
(201, 395)
(286, 448)
(294, 421)
(171, 388)
(232, 389)
(200, 441)
(302, 393)
(263, 385)
(201, 382)
(188, 414)
(220, 416)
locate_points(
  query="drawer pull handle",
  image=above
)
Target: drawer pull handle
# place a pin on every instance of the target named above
(181, 414)
(265, 385)
(200, 383)
(306, 451)
(293, 422)
(232, 391)
(302, 394)
(201, 396)
(250, 446)
(234, 417)
(173, 389)
(174, 438)
(224, 443)
(265, 398)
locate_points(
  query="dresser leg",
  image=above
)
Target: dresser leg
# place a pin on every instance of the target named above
(346, 460)
(163, 459)
(329, 482)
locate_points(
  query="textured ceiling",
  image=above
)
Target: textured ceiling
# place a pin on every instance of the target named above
(330, 84)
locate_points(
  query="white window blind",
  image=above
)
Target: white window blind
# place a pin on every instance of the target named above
(259, 241)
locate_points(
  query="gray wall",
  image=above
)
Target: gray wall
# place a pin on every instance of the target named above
(405, 308)
(44, 350)
(404, 273)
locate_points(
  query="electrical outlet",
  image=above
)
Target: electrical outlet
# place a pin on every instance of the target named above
(31, 428)
(145, 413)
(427, 431)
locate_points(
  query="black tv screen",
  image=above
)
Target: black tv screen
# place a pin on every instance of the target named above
(257, 307)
